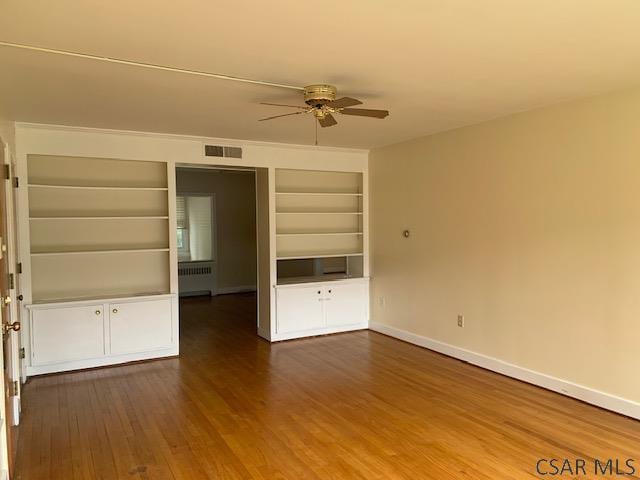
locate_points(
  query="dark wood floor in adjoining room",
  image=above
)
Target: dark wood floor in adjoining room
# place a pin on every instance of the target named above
(356, 405)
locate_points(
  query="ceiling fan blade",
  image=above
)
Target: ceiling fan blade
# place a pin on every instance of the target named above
(281, 105)
(344, 102)
(278, 116)
(365, 112)
(327, 121)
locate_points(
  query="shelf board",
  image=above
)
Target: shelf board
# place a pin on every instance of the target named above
(315, 278)
(116, 217)
(318, 213)
(94, 187)
(98, 252)
(302, 256)
(316, 234)
(99, 298)
(348, 194)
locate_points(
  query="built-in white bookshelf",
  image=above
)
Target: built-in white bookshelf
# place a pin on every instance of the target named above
(319, 225)
(98, 227)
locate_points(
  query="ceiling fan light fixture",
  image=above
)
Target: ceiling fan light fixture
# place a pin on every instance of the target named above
(319, 94)
(321, 101)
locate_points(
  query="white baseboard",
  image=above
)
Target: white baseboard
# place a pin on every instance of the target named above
(102, 361)
(564, 387)
(318, 331)
(241, 289)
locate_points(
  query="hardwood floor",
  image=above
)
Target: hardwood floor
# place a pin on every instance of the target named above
(356, 405)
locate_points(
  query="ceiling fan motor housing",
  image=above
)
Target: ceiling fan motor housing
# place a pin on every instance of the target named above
(318, 95)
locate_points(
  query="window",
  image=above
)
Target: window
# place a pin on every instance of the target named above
(183, 229)
(194, 214)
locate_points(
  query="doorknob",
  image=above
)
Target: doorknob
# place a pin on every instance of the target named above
(5, 301)
(7, 327)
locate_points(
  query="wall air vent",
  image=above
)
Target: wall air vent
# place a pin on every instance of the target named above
(220, 151)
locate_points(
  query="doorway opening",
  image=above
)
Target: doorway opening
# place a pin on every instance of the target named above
(217, 242)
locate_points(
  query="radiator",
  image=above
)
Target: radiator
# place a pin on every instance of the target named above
(196, 278)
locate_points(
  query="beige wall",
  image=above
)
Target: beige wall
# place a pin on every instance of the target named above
(7, 133)
(529, 226)
(236, 221)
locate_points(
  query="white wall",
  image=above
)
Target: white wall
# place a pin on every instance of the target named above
(235, 196)
(529, 226)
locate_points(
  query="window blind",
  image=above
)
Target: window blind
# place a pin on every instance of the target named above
(181, 212)
(199, 219)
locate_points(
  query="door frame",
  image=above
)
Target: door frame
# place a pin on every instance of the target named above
(245, 169)
(9, 314)
(18, 314)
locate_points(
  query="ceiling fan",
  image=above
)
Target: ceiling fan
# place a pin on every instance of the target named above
(321, 101)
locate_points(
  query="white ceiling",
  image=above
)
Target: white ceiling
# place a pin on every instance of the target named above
(435, 64)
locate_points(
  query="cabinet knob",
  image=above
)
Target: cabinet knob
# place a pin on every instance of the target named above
(98, 312)
(329, 291)
(318, 292)
(115, 310)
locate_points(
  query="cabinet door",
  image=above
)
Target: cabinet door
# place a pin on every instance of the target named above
(299, 309)
(345, 304)
(68, 333)
(140, 326)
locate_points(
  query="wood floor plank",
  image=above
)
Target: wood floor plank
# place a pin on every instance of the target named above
(351, 406)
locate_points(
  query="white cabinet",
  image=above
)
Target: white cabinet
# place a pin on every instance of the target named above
(67, 333)
(300, 309)
(321, 308)
(84, 334)
(346, 304)
(140, 326)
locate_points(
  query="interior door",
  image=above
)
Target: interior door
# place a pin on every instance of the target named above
(18, 370)
(9, 384)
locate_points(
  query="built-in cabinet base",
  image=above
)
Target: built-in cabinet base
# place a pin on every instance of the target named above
(84, 334)
(320, 308)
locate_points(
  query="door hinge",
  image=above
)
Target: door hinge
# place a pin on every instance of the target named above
(21, 353)
(7, 171)
(12, 281)
(19, 267)
(13, 388)
(16, 182)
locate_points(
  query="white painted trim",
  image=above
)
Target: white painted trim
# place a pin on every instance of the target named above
(173, 226)
(319, 331)
(273, 263)
(93, 301)
(101, 361)
(325, 283)
(589, 395)
(14, 367)
(229, 142)
(238, 289)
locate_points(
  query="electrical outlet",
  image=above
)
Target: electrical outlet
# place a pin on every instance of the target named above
(460, 321)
